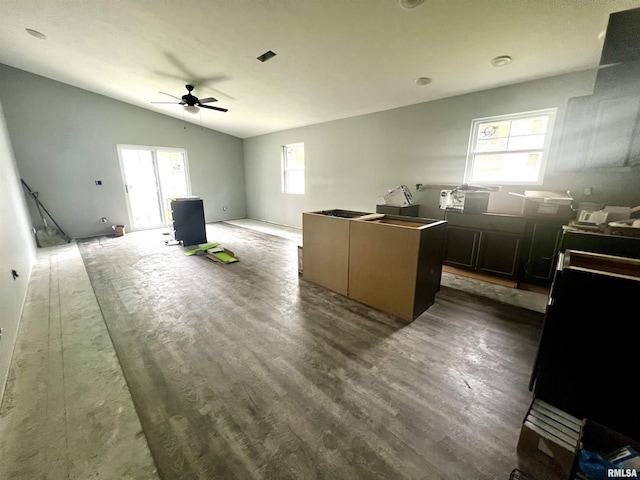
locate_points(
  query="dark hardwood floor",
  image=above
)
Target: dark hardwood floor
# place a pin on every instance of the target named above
(247, 371)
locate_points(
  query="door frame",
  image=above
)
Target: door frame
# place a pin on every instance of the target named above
(154, 154)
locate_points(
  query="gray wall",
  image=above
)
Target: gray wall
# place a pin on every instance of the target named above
(17, 250)
(65, 138)
(350, 163)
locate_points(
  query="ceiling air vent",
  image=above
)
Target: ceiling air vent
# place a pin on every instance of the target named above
(266, 56)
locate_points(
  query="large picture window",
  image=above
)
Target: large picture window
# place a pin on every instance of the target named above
(509, 149)
(293, 168)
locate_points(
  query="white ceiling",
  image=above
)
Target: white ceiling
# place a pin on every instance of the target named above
(335, 58)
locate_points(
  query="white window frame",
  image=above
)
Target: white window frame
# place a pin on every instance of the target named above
(550, 113)
(286, 188)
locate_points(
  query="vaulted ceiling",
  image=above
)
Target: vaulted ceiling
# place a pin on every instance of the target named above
(334, 58)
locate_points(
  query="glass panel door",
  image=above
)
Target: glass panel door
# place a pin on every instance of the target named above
(141, 187)
(172, 170)
(151, 177)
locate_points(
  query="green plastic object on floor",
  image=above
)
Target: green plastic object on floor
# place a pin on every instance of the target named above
(201, 249)
(225, 257)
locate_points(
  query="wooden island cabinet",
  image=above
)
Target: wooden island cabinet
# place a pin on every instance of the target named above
(395, 264)
(392, 263)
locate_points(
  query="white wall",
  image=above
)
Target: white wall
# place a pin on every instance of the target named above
(65, 138)
(17, 250)
(351, 162)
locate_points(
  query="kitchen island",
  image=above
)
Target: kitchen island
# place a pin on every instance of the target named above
(391, 263)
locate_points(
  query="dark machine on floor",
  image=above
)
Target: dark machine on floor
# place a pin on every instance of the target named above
(187, 224)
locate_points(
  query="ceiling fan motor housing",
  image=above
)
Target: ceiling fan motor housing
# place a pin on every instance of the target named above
(189, 100)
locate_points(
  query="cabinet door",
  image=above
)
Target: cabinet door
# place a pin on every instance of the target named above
(541, 261)
(576, 134)
(615, 124)
(461, 246)
(634, 151)
(498, 253)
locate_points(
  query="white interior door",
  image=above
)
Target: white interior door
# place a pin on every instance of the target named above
(151, 176)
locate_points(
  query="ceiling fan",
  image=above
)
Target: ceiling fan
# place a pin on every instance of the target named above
(191, 102)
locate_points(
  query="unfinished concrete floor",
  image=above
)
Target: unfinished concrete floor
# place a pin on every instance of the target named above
(67, 412)
(245, 371)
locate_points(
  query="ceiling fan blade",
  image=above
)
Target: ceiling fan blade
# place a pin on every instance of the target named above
(208, 100)
(172, 96)
(214, 108)
(172, 103)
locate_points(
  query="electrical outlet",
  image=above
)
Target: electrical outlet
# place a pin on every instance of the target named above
(588, 191)
(98, 182)
(104, 219)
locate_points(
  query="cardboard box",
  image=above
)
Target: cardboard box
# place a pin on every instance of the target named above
(225, 256)
(118, 230)
(550, 436)
(624, 231)
(299, 258)
(398, 197)
(543, 204)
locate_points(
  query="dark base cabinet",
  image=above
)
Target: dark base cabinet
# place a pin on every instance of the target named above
(486, 243)
(187, 221)
(510, 246)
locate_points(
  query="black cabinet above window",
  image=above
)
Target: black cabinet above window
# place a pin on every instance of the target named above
(600, 132)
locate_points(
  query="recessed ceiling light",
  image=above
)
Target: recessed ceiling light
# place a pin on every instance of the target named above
(35, 33)
(410, 3)
(422, 81)
(501, 61)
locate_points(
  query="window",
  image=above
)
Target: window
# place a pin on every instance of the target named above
(509, 149)
(293, 168)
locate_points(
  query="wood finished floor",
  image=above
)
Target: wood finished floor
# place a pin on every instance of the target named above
(246, 371)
